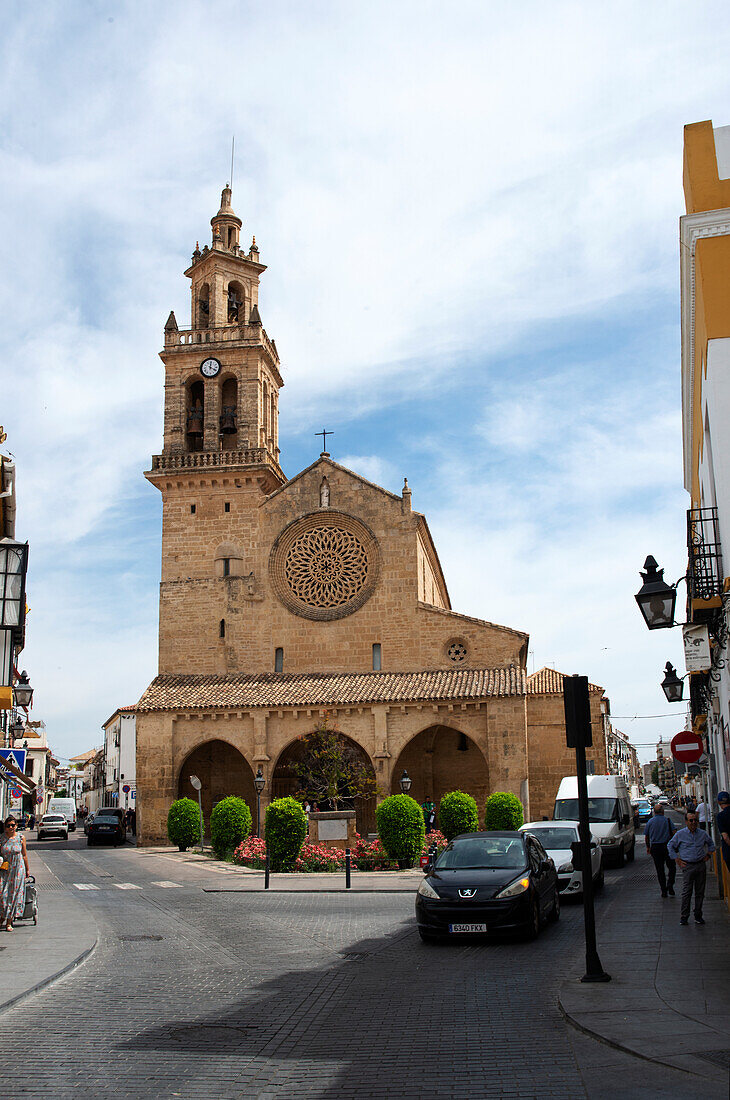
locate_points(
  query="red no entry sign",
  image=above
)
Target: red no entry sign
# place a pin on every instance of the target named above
(687, 747)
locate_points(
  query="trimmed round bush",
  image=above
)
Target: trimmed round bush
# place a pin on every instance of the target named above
(230, 824)
(458, 814)
(183, 823)
(401, 828)
(285, 831)
(503, 811)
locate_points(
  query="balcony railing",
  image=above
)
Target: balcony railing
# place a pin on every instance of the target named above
(704, 566)
(195, 460)
(220, 334)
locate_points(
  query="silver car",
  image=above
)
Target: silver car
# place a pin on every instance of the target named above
(556, 838)
(53, 825)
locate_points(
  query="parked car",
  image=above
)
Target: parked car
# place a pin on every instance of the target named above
(53, 825)
(107, 826)
(609, 813)
(556, 838)
(488, 882)
(87, 821)
(642, 811)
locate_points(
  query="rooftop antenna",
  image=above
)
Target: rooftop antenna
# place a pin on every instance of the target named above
(233, 146)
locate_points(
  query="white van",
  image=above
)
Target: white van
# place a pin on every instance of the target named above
(65, 806)
(609, 812)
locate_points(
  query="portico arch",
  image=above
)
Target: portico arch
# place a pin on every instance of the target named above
(442, 759)
(222, 770)
(284, 782)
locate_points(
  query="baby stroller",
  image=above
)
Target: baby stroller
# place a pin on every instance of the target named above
(30, 909)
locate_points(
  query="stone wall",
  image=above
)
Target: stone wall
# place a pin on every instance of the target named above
(549, 757)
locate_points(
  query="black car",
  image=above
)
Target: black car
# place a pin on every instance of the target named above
(488, 882)
(108, 825)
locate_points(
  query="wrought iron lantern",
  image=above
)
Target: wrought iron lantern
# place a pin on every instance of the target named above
(656, 599)
(259, 782)
(16, 731)
(22, 691)
(405, 782)
(672, 685)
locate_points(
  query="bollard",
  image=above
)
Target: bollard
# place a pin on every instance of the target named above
(348, 868)
(267, 870)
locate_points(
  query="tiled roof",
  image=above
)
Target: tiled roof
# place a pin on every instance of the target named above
(547, 681)
(329, 689)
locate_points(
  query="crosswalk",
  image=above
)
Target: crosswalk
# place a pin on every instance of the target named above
(164, 884)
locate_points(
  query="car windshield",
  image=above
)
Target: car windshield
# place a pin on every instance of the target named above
(643, 805)
(483, 852)
(555, 838)
(50, 819)
(599, 809)
(108, 818)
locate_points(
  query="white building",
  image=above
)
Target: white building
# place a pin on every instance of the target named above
(120, 759)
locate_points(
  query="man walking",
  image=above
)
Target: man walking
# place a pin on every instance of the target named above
(691, 847)
(723, 825)
(657, 834)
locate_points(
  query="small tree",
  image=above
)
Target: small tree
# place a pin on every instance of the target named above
(230, 824)
(183, 823)
(458, 814)
(655, 775)
(503, 811)
(285, 830)
(401, 828)
(332, 770)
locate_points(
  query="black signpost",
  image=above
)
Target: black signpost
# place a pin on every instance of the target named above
(579, 737)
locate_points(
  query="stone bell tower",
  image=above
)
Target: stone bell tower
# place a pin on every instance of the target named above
(220, 452)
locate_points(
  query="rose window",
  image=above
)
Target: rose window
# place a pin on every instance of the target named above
(326, 567)
(457, 652)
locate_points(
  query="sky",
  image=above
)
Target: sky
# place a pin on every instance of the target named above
(469, 214)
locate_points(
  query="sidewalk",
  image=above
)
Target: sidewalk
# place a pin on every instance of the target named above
(32, 956)
(250, 881)
(669, 998)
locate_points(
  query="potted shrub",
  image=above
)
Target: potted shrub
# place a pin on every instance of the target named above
(503, 811)
(230, 824)
(458, 814)
(401, 828)
(183, 823)
(285, 831)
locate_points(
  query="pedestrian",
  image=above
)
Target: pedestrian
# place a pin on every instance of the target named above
(701, 812)
(31, 820)
(13, 872)
(723, 825)
(133, 821)
(657, 834)
(691, 847)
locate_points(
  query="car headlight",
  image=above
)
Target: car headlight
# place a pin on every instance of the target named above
(426, 890)
(609, 840)
(565, 869)
(514, 888)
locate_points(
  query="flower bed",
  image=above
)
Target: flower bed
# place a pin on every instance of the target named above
(314, 857)
(252, 853)
(367, 855)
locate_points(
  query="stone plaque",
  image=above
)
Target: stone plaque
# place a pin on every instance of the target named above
(332, 830)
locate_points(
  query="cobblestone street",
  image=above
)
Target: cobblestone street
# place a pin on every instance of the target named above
(228, 994)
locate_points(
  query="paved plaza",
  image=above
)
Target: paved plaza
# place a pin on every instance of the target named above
(198, 988)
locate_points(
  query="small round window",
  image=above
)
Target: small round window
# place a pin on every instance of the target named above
(457, 652)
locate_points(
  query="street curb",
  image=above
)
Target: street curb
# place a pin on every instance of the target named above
(49, 980)
(293, 890)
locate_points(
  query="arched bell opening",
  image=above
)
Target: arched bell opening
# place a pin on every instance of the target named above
(195, 415)
(286, 782)
(442, 759)
(223, 771)
(203, 307)
(229, 414)
(236, 306)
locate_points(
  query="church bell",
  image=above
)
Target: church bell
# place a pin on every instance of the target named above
(195, 420)
(228, 420)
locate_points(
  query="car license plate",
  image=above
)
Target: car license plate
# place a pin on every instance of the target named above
(467, 928)
(106, 828)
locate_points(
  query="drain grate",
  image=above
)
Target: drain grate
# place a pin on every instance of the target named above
(138, 939)
(717, 1057)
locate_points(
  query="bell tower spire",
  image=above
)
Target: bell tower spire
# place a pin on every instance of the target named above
(222, 374)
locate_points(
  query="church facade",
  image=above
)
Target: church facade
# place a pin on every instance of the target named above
(282, 600)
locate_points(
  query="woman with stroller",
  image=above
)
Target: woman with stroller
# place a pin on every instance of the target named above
(13, 873)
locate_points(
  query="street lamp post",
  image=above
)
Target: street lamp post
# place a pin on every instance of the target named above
(259, 783)
(197, 785)
(405, 782)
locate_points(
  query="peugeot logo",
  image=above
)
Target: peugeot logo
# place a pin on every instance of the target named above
(467, 893)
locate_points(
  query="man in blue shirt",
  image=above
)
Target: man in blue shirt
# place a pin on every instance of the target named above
(691, 848)
(657, 834)
(723, 825)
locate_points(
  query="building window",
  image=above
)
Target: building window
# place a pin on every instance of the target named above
(457, 652)
(226, 567)
(377, 657)
(590, 767)
(279, 660)
(192, 509)
(227, 506)
(222, 629)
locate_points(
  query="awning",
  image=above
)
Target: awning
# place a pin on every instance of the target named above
(14, 777)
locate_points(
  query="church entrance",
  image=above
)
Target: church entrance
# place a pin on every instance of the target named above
(442, 759)
(223, 771)
(285, 783)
